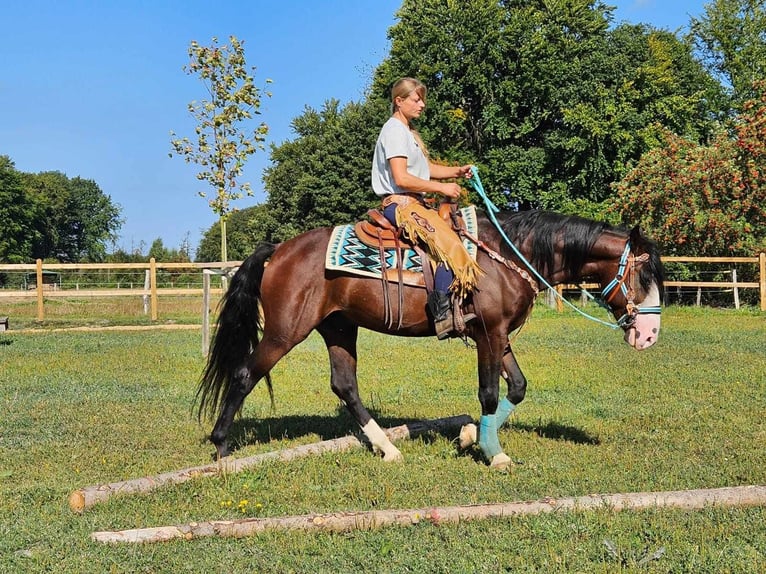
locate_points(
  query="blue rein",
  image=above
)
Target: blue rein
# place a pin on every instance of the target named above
(624, 321)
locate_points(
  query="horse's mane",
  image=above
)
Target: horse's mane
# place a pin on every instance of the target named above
(541, 230)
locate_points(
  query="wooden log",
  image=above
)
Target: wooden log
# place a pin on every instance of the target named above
(351, 521)
(86, 497)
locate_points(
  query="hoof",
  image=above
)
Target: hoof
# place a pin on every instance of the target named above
(393, 456)
(221, 451)
(501, 462)
(468, 435)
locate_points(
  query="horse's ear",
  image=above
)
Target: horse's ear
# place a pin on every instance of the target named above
(635, 235)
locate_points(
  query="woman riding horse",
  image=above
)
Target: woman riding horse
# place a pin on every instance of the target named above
(269, 309)
(402, 174)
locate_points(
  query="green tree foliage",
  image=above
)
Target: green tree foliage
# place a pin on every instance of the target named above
(704, 200)
(242, 231)
(167, 255)
(50, 216)
(222, 143)
(17, 216)
(74, 221)
(731, 39)
(551, 103)
(322, 177)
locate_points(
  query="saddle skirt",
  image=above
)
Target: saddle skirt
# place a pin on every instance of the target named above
(349, 253)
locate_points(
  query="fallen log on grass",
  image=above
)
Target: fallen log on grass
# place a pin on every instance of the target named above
(350, 521)
(86, 497)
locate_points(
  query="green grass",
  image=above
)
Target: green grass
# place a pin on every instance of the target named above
(63, 312)
(86, 408)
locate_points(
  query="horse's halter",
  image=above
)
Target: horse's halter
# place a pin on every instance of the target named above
(625, 282)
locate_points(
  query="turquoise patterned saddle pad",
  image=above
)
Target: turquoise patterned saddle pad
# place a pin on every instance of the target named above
(347, 253)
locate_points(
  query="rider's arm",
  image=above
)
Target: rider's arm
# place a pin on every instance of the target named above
(406, 180)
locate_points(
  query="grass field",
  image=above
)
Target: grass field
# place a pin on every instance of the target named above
(82, 408)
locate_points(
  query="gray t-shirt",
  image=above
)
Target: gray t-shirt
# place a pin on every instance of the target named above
(396, 140)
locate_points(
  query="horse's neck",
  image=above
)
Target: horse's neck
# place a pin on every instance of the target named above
(599, 262)
(604, 255)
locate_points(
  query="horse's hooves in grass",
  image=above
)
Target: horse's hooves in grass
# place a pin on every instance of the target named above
(221, 452)
(501, 462)
(393, 457)
(468, 435)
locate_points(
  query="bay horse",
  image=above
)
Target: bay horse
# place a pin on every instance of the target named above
(296, 295)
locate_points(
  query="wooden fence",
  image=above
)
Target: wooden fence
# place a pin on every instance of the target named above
(151, 292)
(42, 289)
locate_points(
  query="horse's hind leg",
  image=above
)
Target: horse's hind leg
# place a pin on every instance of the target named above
(340, 338)
(256, 366)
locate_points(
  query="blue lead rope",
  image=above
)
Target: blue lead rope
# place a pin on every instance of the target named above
(475, 182)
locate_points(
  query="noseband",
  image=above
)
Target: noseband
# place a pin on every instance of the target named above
(624, 282)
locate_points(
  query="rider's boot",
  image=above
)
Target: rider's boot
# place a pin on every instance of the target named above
(440, 305)
(441, 308)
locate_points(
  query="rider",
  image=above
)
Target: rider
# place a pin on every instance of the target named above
(402, 174)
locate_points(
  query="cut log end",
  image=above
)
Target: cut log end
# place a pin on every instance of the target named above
(77, 501)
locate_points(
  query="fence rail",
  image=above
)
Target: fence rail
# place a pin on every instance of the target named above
(152, 292)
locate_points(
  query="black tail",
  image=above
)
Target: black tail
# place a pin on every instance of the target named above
(237, 332)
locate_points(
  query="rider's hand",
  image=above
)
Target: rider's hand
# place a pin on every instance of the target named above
(465, 171)
(451, 190)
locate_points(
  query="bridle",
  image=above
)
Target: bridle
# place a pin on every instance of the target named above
(625, 282)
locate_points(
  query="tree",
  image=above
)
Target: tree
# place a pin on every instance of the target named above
(703, 200)
(74, 219)
(162, 253)
(322, 178)
(243, 235)
(17, 216)
(552, 104)
(223, 144)
(731, 39)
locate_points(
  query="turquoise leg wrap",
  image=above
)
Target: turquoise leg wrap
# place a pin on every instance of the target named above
(504, 410)
(488, 441)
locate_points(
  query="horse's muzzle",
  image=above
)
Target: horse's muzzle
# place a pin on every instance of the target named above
(644, 332)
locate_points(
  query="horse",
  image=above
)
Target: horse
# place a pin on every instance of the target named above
(282, 292)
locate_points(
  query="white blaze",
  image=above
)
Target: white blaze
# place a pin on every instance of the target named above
(646, 329)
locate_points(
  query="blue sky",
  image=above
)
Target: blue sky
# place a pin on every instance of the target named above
(93, 88)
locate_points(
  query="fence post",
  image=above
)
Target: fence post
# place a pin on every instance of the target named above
(147, 285)
(153, 286)
(762, 261)
(549, 298)
(40, 308)
(736, 289)
(206, 311)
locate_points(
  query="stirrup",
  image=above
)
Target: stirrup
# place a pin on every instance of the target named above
(445, 328)
(459, 318)
(453, 325)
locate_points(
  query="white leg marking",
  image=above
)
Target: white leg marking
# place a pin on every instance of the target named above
(380, 442)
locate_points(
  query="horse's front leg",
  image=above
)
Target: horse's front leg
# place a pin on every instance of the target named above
(517, 387)
(517, 390)
(340, 338)
(490, 360)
